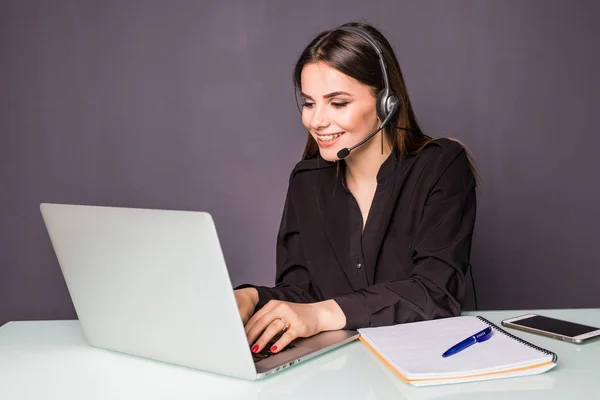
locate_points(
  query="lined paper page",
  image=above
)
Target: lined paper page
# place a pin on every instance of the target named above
(415, 349)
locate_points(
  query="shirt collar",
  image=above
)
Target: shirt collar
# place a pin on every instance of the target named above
(387, 168)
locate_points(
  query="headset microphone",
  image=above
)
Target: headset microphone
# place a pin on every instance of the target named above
(387, 101)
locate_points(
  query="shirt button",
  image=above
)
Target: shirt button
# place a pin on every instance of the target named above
(358, 265)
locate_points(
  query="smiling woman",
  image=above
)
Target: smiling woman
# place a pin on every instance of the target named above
(373, 232)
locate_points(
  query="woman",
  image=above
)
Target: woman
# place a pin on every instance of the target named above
(380, 237)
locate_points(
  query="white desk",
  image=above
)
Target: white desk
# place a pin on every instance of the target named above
(50, 360)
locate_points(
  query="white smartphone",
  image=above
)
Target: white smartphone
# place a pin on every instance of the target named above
(554, 328)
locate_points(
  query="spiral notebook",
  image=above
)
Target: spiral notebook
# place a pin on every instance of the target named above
(414, 352)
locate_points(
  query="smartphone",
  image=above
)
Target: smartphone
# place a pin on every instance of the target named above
(554, 328)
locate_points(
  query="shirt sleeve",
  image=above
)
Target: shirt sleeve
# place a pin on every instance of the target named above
(440, 253)
(292, 282)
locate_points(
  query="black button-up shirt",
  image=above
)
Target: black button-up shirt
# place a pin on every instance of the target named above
(409, 262)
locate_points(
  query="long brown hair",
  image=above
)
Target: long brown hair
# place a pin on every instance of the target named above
(352, 55)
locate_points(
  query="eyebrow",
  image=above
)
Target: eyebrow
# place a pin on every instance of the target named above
(329, 95)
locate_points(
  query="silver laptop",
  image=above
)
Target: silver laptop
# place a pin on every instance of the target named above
(154, 284)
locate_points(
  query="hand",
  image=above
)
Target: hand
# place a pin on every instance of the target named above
(247, 299)
(294, 320)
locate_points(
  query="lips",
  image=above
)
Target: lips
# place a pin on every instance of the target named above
(327, 140)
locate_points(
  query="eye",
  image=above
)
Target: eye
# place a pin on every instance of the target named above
(307, 104)
(339, 104)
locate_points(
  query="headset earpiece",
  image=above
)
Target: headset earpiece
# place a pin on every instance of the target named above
(386, 104)
(387, 101)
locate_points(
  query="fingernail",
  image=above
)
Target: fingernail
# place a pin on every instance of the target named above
(255, 348)
(273, 348)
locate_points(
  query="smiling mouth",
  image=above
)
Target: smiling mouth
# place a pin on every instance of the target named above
(329, 138)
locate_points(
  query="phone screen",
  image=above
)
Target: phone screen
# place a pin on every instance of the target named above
(553, 325)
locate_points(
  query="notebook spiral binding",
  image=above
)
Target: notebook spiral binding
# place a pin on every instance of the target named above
(518, 339)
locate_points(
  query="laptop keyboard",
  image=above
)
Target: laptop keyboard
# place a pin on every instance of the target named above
(266, 353)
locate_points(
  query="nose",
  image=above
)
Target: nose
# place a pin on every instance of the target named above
(319, 118)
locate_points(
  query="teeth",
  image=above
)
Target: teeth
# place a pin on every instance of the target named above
(329, 138)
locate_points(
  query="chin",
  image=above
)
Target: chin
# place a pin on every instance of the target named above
(329, 154)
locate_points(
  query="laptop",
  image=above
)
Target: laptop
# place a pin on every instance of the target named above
(154, 284)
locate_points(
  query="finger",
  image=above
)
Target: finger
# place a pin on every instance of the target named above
(283, 341)
(271, 330)
(259, 314)
(261, 325)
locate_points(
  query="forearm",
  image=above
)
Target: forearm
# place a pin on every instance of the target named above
(330, 316)
(251, 294)
(283, 292)
(415, 299)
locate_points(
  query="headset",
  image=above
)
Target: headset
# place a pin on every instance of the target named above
(388, 104)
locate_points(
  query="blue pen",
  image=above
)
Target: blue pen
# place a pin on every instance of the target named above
(478, 337)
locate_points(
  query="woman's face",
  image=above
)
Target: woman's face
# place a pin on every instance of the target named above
(338, 110)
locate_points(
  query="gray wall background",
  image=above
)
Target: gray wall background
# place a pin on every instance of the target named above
(189, 105)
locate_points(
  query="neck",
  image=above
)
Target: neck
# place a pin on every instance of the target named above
(362, 165)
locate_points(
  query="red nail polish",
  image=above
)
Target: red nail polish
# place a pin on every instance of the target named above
(255, 348)
(273, 348)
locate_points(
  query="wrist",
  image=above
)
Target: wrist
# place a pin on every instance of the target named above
(330, 316)
(252, 294)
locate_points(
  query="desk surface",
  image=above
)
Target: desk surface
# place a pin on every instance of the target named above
(50, 360)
